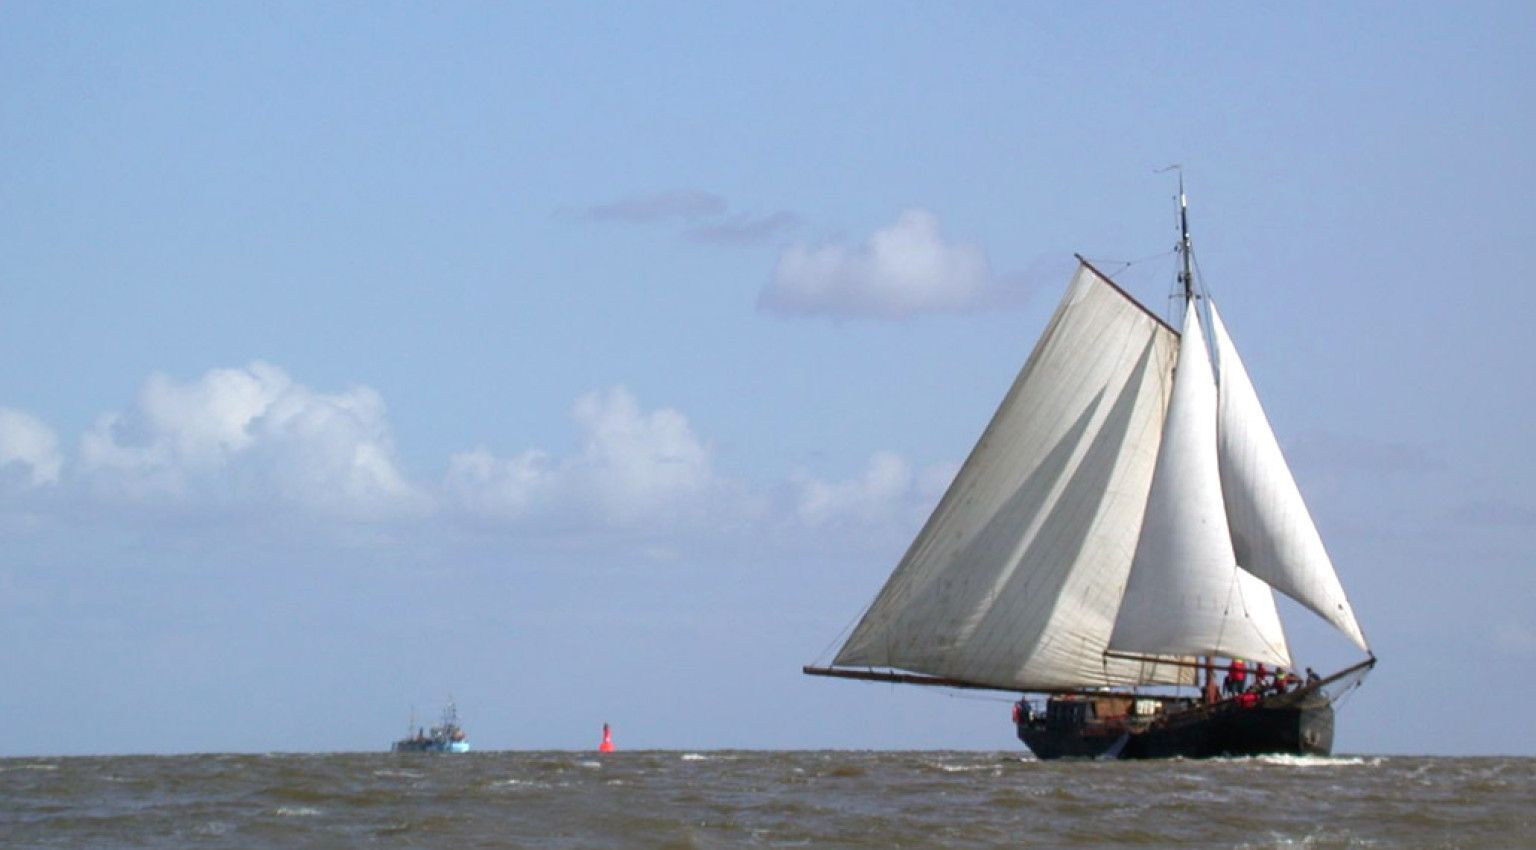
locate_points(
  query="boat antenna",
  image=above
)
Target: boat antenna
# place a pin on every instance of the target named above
(1186, 252)
(1185, 249)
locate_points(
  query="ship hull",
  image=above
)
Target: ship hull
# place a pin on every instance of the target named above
(1282, 726)
(414, 746)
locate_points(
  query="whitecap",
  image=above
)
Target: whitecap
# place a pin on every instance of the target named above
(962, 768)
(1316, 761)
(1279, 842)
(519, 783)
(296, 812)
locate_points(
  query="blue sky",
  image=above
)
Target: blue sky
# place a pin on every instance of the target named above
(597, 362)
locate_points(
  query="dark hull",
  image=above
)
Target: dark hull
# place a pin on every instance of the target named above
(1288, 724)
(411, 745)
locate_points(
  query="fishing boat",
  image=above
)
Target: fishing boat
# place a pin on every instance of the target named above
(446, 737)
(1113, 543)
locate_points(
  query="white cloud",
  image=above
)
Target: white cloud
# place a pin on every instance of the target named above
(254, 442)
(634, 466)
(885, 492)
(29, 445)
(639, 464)
(901, 270)
(868, 496)
(486, 485)
(249, 435)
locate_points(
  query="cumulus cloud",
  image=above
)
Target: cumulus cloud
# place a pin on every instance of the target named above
(637, 463)
(900, 270)
(249, 435)
(29, 447)
(253, 442)
(886, 491)
(634, 465)
(486, 485)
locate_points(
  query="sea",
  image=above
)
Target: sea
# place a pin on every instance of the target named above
(725, 799)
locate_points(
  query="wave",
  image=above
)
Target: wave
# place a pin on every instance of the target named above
(1314, 761)
(296, 811)
(963, 768)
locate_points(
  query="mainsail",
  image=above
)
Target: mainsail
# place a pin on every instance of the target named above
(1016, 577)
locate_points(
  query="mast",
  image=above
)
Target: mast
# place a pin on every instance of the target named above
(1187, 274)
(1187, 278)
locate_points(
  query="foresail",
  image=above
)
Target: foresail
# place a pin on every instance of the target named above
(1015, 579)
(1272, 532)
(1186, 594)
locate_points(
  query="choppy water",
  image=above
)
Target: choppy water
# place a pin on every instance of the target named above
(760, 799)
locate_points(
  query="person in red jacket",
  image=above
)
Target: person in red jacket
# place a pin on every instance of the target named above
(1237, 677)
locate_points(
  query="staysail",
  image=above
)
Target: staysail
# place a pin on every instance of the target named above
(1273, 535)
(1015, 580)
(1186, 593)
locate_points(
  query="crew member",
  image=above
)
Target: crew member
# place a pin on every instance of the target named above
(1237, 676)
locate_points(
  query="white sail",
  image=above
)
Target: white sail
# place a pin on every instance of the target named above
(1186, 594)
(1273, 535)
(1016, 577)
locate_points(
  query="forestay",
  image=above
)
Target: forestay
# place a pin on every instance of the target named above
(1016, 578)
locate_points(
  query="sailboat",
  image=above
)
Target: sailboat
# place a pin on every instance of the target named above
(1113, 543)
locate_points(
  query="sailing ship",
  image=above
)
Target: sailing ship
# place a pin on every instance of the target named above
(446, 737)
(1113, 542)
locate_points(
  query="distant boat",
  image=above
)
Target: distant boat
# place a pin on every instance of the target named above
(1120, 526)
(446, 737)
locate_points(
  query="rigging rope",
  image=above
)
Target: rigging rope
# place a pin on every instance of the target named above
(978, 697)
(1125, 264)
(1232, 588)
(842, 635)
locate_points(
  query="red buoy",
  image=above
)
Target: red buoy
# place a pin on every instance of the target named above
(607, 745)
